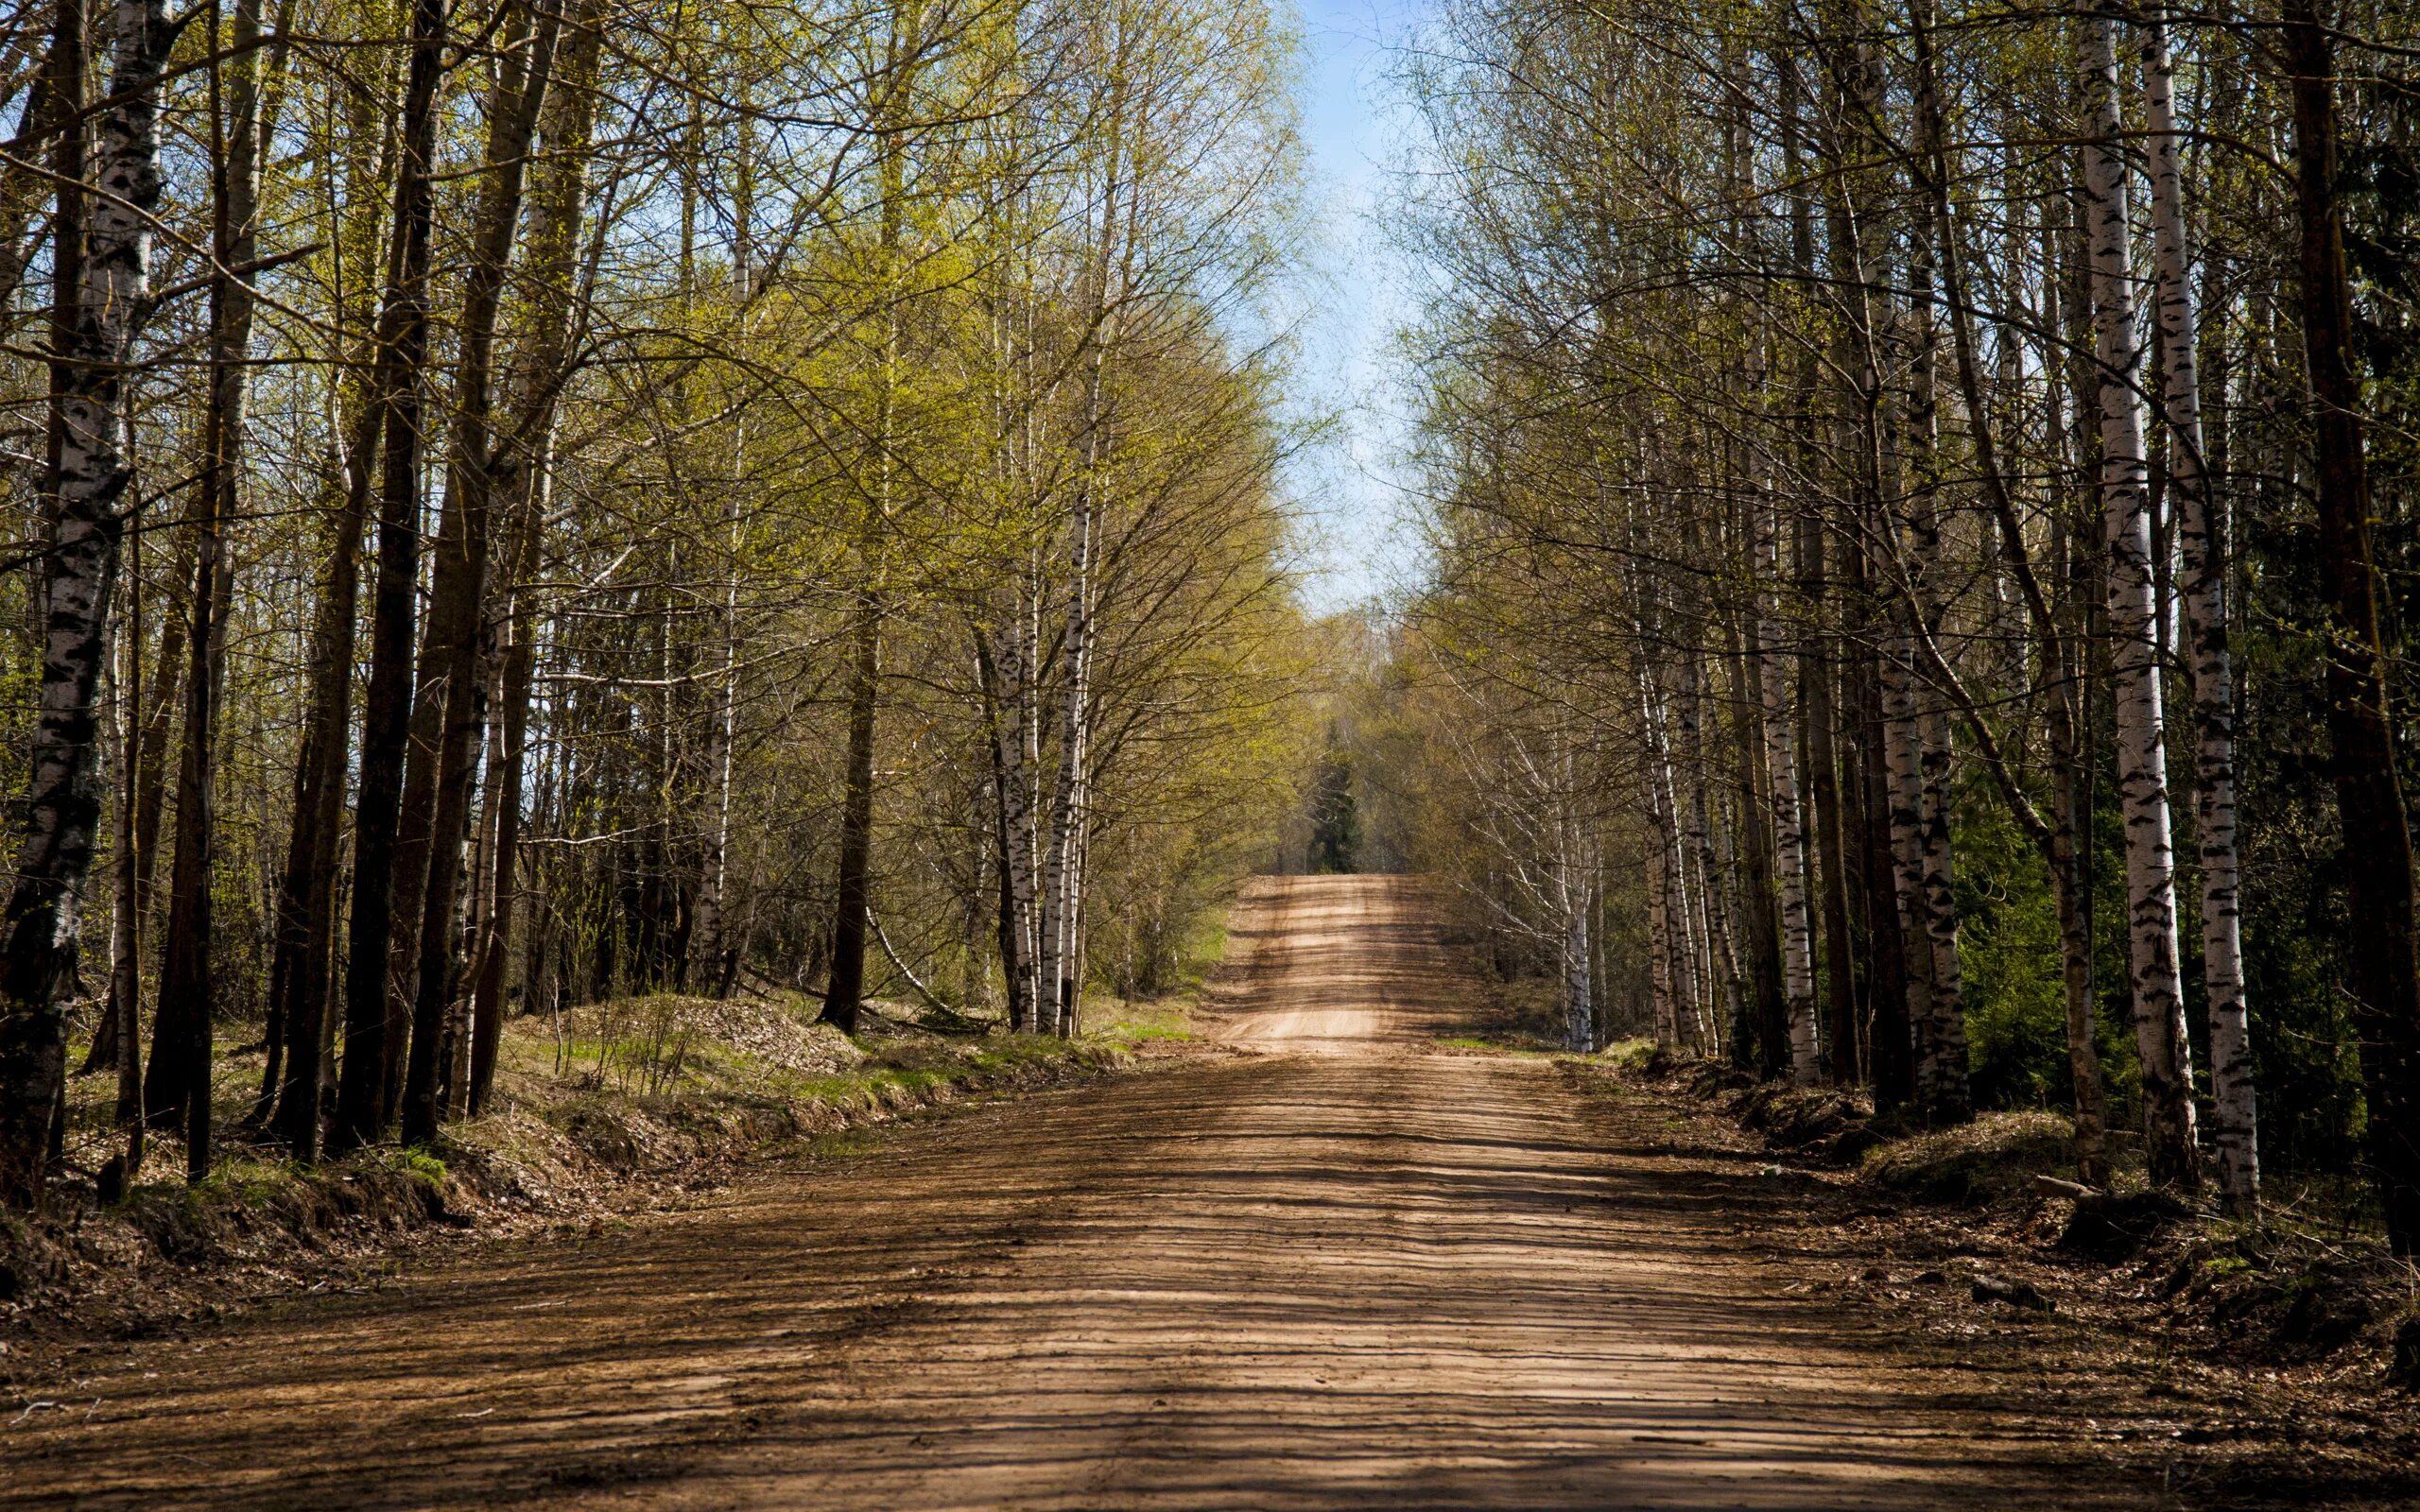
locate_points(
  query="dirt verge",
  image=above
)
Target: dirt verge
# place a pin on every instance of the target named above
(2264, 1361)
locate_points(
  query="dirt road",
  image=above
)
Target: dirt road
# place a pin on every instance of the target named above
(1333, 1266)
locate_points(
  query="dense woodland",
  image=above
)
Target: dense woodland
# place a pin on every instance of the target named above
(528, 502)
(1924, 537)
(522, 503)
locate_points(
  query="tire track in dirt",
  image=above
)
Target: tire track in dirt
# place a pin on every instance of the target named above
(1323, 1267)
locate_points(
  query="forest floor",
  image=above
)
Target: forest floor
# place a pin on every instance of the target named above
(1330, 1257)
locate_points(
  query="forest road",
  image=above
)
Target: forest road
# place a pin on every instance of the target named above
(1329, 1263)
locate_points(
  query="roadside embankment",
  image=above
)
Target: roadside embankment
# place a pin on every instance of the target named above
(2277, 1351)
(597, 1114)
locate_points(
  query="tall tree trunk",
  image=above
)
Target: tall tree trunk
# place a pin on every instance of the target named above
(1664, 992)
(2125, 498)
(2070, 889)
(187, 999)
(2383, 965)
(372, 1042)
(524, 466)
(508, 760)
(456, 638)
(706, 936)
(2052, 658)
(1890, 1045)
(143, 798)
(1760, 703)
(1012, 774)
(1679, 938)
(303, 961)
(1789, 828)
(107, 247)
(846, 994)
(1722, 965)
(307, 910)
(1836, 1046)
(1904, 819)
(1946, 1094)
(1059, 895)
(124, 1021)
(2202, 537)
(176, 1091)
(1573, 885)
(853, 892)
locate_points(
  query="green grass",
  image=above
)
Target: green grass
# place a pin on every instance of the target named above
(1482, 1044)
(248, 1182)
(418, 1161)
(1143, 1024)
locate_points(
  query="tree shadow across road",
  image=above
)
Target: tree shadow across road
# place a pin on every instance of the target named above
(1335, 1278)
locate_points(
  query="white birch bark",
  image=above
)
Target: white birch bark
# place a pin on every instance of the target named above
(1579, 994)
(1079, 873)
(2125, 496)
(2202, 537)
(1036, 827)
(43, 924)
(1063, 870)
(1059, 876)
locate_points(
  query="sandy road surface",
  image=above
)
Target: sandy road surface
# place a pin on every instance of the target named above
(1337, 1269)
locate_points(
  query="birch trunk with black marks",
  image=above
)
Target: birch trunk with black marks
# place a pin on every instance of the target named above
(2125, 500)
(107, 246)
(1061, 899)
(1789, 827)
(1062, 910)
(2200, 530)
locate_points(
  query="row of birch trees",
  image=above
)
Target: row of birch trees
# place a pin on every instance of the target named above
(523, 502)
(1921, 501)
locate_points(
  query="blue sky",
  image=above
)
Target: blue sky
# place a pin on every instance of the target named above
(1354, 299)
